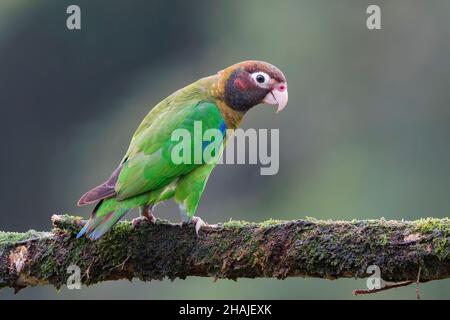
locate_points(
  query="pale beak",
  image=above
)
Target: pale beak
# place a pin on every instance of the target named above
(278, 96)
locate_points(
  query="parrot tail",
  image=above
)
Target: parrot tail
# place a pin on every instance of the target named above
(103, 191)
(97, 226)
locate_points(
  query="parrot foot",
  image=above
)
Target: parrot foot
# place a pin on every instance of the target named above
(137, 221)
(199, 223)
(146, 215)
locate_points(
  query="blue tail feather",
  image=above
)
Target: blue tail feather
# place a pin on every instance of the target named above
(83, 231)
(94, 229)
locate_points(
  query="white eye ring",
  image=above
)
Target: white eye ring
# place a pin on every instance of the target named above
(261, 78)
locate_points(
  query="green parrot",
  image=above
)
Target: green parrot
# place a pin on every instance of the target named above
(148, 174)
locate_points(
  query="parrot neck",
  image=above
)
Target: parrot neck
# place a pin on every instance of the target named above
(232, 117)
(214, 86)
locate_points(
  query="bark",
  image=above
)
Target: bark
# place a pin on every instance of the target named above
(280, 249)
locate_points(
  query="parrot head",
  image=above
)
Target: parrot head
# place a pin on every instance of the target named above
(249, 83)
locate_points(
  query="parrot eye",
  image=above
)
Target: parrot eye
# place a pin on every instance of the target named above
(261, 78)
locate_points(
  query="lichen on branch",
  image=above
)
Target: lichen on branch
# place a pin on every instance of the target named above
(235, 249)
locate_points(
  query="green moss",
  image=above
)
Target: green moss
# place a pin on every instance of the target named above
(9, 238)
(383, 240)
(270, 222)
(314, 220)
(441, 248)
(241, 223)
(236, 223)
(162, 221)
(111, 246)
(123, 228)
(70, 224)
(48, 268)
(430, 225)
(433, 226)
(76, 251)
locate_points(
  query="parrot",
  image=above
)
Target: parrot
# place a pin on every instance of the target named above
(147, 174)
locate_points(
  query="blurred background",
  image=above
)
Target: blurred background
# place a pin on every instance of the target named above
(366, 133)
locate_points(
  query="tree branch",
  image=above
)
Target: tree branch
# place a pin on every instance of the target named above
(305, 248)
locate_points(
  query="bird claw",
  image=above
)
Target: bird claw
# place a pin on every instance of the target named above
(137, 221)
(152, 219)
(199, 223)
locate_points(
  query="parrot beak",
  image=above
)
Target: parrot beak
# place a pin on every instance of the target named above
(278, 96)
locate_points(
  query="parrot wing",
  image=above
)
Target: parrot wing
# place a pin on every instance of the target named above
(149, 164)
(148, 137)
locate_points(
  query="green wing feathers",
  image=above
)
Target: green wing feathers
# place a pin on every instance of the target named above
(151, 168)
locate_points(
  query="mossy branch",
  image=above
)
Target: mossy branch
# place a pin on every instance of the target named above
(280, 249)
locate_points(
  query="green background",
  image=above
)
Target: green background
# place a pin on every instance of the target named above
(366, 133)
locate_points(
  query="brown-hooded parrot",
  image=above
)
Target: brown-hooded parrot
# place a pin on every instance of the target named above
(147, 173)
